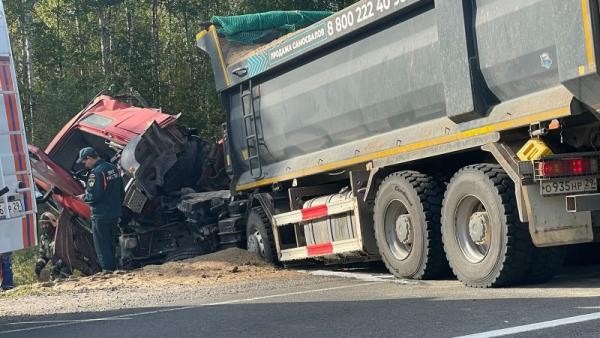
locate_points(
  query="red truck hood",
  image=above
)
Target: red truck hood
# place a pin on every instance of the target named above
(122, 122)
(114, 121)
(106, 117)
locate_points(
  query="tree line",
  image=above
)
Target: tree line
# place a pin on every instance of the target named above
(67, 51)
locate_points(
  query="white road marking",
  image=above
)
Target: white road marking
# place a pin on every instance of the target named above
(38, 322)
(58, 321)
(535, 326)
(145, 313)
(291, 294)
(365, 277)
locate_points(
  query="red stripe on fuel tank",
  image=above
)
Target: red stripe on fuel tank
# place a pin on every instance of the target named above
(319, 249)
(319, 211)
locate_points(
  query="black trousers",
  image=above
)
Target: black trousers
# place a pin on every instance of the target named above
(105, 232)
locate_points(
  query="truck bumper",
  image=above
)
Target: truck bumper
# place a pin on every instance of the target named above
(585, 202)
(580, 203)
(551, 224)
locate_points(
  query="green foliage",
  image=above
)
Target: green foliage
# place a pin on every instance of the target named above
(29, 290)
(23, 265)
(78, 48)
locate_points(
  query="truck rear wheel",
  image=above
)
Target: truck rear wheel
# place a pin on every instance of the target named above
(407, 225)
(259, 236)
(485, 242)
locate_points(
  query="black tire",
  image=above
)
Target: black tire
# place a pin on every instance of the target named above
(545, 263)
(406, 219)
(186, 253)
(486, 244)
(259, 235)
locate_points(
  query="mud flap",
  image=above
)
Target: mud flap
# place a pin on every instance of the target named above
(549, 222)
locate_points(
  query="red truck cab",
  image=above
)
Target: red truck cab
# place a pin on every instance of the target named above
(105, 124)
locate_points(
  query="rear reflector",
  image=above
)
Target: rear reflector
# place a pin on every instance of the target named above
(319, 249)
(316, 212)
(567, 167)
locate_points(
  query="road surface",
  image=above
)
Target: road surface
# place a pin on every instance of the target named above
(348, 304)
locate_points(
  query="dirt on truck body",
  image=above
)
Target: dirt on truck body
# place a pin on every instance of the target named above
(175, 186)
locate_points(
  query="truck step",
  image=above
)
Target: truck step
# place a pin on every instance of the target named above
(321, 249)
(316, 212)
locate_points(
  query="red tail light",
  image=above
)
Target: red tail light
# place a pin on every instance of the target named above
(579, 166)
(568, 167)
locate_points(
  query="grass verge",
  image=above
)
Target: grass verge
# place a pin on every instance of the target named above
(23, 264)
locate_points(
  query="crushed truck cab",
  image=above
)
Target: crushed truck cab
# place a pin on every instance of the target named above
(175, 187)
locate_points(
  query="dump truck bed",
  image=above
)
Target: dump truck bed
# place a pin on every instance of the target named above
(392, 81)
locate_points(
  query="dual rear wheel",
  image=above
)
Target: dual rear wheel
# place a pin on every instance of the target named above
(474, 228)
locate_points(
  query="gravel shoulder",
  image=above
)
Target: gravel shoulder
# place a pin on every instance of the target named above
(228, 272)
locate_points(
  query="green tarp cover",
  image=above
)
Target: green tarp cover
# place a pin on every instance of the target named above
(264, 27)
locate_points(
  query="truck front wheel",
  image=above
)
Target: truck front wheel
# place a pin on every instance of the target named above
(407, 225)
(259, 237)
(484, 240)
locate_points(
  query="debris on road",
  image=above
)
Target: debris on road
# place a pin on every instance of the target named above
(228, 266)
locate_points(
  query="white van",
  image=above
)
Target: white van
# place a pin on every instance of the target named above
(17, 193)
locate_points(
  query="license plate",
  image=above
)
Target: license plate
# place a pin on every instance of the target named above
(14, 207)
(562, 187)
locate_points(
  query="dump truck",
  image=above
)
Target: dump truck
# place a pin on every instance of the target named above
(438, 136)
(17, 192)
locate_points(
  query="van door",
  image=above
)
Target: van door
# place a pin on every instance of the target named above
(17, 194)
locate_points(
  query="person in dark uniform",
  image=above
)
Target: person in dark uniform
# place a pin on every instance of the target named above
(6, 273)
(104, 193)
(48, 225)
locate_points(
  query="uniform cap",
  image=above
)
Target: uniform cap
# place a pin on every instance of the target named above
(85, 152)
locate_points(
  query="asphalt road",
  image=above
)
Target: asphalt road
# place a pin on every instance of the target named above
(360, 304)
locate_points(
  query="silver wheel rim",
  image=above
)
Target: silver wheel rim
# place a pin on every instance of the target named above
(256, 244)
(398, 228)
(472, 229)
